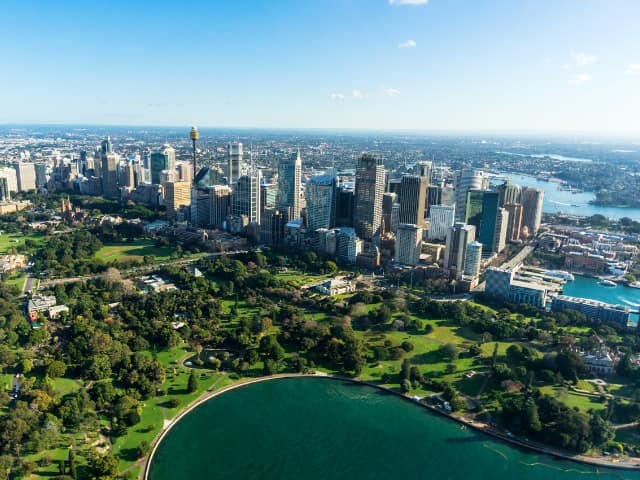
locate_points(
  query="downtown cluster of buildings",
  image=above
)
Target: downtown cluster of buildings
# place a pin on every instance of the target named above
(454, 220)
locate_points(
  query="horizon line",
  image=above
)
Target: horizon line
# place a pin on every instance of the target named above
(399, 131)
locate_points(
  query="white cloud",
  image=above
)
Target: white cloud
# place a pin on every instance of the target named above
(408, 2)
(391, 92)
(407, 44)
(337, 96)
(580, 79)
(357, 94)
(582, 59)
(633, 69)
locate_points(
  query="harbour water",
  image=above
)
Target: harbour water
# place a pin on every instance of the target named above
(556, 200)
(311, 428)
(588, 287)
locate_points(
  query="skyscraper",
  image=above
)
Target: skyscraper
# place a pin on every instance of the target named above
(11, 175)
(413, 199)
(272, 228)
(368, 196)
(441, 220)
(41, 174)
(532, 201)
(465, 180)
(164, 159)
(515, 221)
(388, 200)
(290, 184)
(509, 193)
(473, 208)
(458, 238)
(26, 176)
(177, 194)
(194, 135)
(489, 218)
(500, 235)
(109, 171)
(320, 193)
(345, 204)
(473, 259)
(425, 170)
(246, 196)
(234, 162)
(408, 244)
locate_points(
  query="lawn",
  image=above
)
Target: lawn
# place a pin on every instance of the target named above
(570, 399)
(298, 279)
(132, 251)
(16, 240)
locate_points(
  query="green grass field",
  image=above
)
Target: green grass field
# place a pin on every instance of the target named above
(16, 240)
(136, 250)
(583, 402)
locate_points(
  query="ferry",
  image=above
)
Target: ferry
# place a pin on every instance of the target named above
(561, 274)
(607, 283)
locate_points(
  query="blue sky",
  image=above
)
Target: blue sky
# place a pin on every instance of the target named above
(484, 65)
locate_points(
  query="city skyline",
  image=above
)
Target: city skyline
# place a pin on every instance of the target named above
(424, 66)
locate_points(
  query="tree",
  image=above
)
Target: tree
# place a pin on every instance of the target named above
(406, 385)
(192, 384)
(103, 466)
(56, 369)
(449, 351)
(143, 449)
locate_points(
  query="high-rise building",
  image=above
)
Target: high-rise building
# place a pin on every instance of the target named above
(440, 221)
(320, 193)
(532, 201)
(268, 196)
(210, 206)
(41, 174)
(408, 244)
(106, 146)
(515, 221)
(425, 170)
(348, 245)
(500, 234)
(345, 204)
(465, 180)
(128, 176)
(413, 199)
(290, 184)
(473, 259)
(176, 194)
(26, 175)
(185, 171)
(246, 196)
(388, 200)
(109, 173)
(234, 162)
(434, 197)
(509, 193)
(272, 227)
(368, 197)
(164, 159)
(489, 218)
(5, 195)
(473, 208)
(458, 238)
(11, 176)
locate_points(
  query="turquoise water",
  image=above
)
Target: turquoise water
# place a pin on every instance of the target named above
(573, 203)
(312, 428)
(588, 287)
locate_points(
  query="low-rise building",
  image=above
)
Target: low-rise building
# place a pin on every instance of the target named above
(336, 286)
(593, 309)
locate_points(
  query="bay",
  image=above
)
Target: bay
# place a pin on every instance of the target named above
(556, 200)
(313, 428)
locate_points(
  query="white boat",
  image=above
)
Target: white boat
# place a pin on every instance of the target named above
(561, 274)
(607, 283)
(634, 284)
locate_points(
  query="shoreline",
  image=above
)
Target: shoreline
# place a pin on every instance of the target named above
(477, 426)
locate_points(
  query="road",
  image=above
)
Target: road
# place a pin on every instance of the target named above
(136, 270)
(519, 258)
